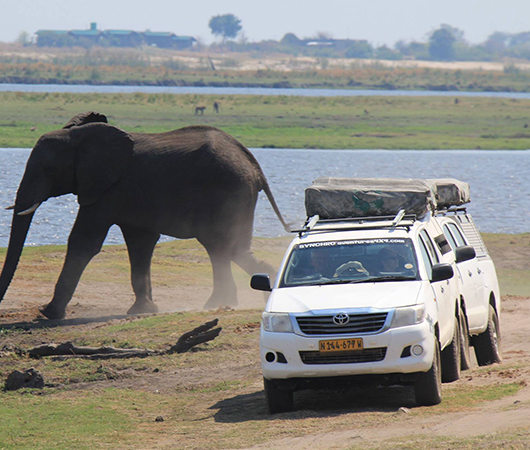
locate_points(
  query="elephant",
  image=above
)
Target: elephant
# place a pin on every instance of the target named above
(193, 182)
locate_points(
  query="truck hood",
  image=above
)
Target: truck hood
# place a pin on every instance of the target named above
(345, 296)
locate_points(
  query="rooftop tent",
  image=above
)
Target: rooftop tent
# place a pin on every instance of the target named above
(335, 198)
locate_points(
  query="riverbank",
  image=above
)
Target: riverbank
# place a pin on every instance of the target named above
(159, 67)
(286, 122)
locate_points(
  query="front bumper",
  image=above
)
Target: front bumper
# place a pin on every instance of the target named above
(289, 355)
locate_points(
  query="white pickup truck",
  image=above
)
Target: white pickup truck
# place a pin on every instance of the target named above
(382, 299)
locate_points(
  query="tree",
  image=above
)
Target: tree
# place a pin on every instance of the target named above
(441, 45)
(23, 38)
(360, 49)
(413, 50)
(291, 39)
(226, 25)
(456, 32)
(497, 43)
(384, 52)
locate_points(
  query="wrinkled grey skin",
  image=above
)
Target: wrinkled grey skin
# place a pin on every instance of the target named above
(195, 182)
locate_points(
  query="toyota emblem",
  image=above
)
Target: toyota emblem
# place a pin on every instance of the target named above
(341, 319)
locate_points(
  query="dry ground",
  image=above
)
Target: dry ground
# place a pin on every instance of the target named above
(247, 62)
(498, 417)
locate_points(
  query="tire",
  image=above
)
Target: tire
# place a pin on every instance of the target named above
(451, 356)
(428, 386)
(278, 400)
(465, 349)
(488, 344)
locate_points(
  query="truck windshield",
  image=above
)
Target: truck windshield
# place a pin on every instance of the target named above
(352, 261)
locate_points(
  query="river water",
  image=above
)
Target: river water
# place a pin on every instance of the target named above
(90, 89)
(500, 196)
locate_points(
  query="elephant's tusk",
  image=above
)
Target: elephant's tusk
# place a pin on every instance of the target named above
(30, 210)
(10, 207)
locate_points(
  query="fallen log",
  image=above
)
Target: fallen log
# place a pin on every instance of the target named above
(66, 350)
(195, 337)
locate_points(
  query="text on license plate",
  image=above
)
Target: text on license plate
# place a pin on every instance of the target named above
(340, 345)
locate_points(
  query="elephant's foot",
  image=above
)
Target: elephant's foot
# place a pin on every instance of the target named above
(220, 302)
(143, 307)
(51, 312)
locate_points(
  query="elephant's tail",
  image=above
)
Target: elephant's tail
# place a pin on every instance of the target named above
(268, 191)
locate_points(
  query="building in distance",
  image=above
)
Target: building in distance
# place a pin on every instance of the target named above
(112, 38)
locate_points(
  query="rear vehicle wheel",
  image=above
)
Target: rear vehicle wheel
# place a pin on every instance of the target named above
(465, 350)
(428, 386)
(451, 356)
(278, 400)
(488, 344)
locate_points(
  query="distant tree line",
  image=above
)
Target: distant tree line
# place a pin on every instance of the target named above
(446, 43)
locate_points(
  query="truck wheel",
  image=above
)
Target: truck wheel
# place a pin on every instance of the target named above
(451, 357)
(428, 386)
(488, 344)
(465, 350)
(278, 400)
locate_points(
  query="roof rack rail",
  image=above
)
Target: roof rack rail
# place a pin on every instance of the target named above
(452, 209)
(401, 219)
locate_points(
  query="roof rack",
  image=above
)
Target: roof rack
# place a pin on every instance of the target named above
(401, 219)
(451, 210)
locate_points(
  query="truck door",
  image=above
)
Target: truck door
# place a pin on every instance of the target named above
(442, 291)
(471, 278)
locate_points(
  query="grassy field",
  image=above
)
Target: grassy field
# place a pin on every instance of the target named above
(286, 122)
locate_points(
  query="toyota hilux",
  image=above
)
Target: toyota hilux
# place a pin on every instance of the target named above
(372, 298)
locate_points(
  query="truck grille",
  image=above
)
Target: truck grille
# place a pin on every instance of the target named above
(358, 323)
(360, 356)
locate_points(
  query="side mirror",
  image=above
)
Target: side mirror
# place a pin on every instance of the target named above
(441, 272)
(261, 282)
(464, 253)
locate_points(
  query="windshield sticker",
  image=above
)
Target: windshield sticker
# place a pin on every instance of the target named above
(355, 242)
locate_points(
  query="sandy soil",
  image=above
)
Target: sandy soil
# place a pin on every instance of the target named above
(91, 307)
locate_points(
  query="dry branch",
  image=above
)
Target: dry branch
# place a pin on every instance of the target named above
(199, 335)
(196, 336)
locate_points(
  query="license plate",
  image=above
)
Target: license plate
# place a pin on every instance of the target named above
(341, 345)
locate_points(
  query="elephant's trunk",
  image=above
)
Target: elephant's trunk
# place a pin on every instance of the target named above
(19, 231)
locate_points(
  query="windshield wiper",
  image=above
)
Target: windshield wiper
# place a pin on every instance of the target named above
(339, 281)
(371, 280)
(390, 278)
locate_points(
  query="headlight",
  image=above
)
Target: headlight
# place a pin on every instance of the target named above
(280, 323)
(409, 315)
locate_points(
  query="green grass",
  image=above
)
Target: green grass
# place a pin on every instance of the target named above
(286, 122)
(52, 420)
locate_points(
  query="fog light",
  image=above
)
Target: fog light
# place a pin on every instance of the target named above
(270, 357)
(417, 350)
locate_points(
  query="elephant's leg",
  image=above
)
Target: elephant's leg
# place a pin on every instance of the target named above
(248, 262)
(140, 245)
(85, 241)
(224, 287)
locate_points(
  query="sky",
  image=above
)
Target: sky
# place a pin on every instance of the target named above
(381, 22)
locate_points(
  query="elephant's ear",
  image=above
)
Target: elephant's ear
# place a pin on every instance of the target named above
(103, 156)
(84, 118)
